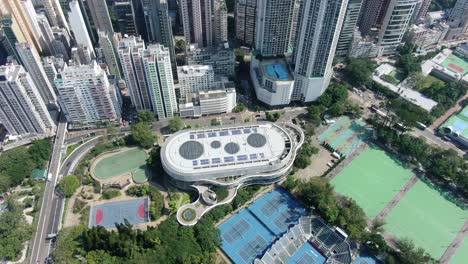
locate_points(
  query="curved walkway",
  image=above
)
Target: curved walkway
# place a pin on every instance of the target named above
(200, 207)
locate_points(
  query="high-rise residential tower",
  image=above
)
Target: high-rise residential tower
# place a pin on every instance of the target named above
(86, 95)
(294, 20)
(106, 43)
(55, 13)
(100, 16)
(32, 63)
(245, 17)
(125, 17)
(202, 20)
(160, 84)
(319, 28)
(220, 34)
(22, 110)
(13, 35)
(78, 26)
(349, 25)
(273, 26)
(158, 25)
(20, 12)
(394, 24)
(423, 8)
(372, 11)
(61, 43)
(130, 52)
(458, 19)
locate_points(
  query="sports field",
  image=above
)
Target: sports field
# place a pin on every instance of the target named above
(128, 161)
(456, 64)
(345, 135)
(110, 213)
(461, 255)
(427, 218)
(372, 179)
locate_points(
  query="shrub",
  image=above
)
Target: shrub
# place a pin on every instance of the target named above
(110, 194)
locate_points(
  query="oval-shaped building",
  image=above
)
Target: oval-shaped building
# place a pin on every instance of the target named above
(243, 154)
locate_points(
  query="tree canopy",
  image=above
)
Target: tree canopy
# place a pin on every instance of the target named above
(142, 135)
(69, 184)
(359, 71)
(344, 213)
(176, 124)
(17, 164)
(145, 116)
(14, 231)
(166, 244)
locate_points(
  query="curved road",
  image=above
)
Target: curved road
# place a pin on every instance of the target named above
(52, 204)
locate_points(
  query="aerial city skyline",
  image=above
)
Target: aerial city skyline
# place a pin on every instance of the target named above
(234, 131)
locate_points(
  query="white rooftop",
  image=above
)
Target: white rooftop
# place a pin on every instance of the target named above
(218, 149)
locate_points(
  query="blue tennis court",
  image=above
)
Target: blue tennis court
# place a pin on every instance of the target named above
(366, 259)
(244, 237)
(307, 254)
(108, 214)
(277, 210)
(247, 235)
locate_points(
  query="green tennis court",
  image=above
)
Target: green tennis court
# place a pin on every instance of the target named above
(120, 163)
(372, 179)
(427, 218)
(461, 255)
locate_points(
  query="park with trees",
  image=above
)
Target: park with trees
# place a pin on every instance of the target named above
(17, 164)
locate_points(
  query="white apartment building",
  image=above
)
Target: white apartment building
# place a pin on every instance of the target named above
(22, 110)
(272, 81)
(160, 83)
(274, 18)
(395, 23)
(207, 103)
(195, 78)
(85, 94)
(78, 26)
(55, 14)
(32, 63)
(319, 29)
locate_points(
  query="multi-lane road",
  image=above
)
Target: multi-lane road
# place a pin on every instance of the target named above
(50, 210)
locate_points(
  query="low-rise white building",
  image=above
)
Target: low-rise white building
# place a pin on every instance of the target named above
(196, 78)
(86, 95)
(207, 103)
(424, 36)
(273, 82)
